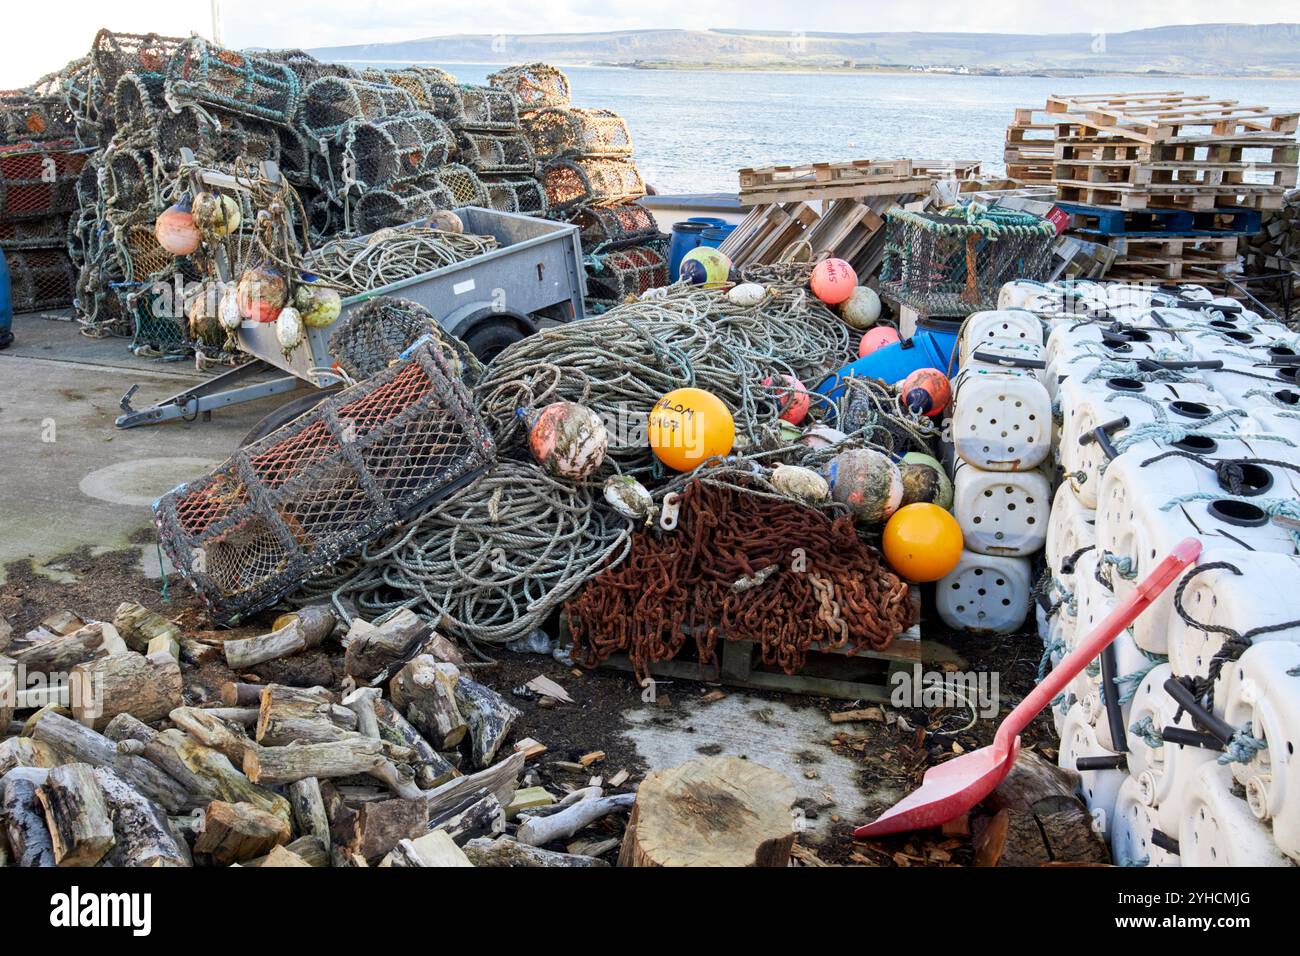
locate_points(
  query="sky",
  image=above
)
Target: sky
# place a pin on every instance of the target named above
(40, 37)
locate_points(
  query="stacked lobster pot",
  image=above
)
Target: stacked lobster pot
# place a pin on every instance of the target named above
(591, 181)
(1001, 437)
(1175, 417)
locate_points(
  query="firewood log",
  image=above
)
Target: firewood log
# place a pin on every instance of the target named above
(25, 752)
(306, 848)
(24, 818)
(716, 811)
(431, 768)
(236, 694)
(304, 630)
(145, 687)
(76, 814)
(81, 743)
(243, 716)
(504, 851)
(373, 829)
(501, 778)
(138, 626)
(432, 849)
(538, 831)
(208, 775)
(425, 691)
(361, 703)
(478, 814)
(272, 766)
(374, 650)
(142, 834)
(282, 857)
(212, 732)
(309, 810)
(233, 832)
(490, 718)
(306, 715)
(59, 654)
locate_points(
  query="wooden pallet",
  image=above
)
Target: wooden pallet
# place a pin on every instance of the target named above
(766, 232)
(1153, 174)
(1106, 221)
(1202, 198)
(1157, 117)
(962, 170)
(845, 173)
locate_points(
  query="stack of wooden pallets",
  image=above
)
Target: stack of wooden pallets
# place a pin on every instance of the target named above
(1169, 181)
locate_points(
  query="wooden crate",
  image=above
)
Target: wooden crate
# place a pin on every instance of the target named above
(766, 232)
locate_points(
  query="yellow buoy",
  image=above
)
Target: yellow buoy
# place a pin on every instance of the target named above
(688, 426)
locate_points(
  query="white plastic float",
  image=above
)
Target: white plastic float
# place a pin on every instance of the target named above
(986, 593)
(1218, 828)
(1002, 513)
(1002, 419)
(1132, 832)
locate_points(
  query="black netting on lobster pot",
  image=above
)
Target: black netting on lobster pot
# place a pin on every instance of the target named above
(571, 131)
(241, 83)
(39, 179)
(534, 85)
(26, 116)
(521, 194)
(495, 152)
(612, 227)
(461, 183)
(138, 100)
(47, 232)
(616, 275)
(113, 55)
(295, 156)
(128, 180)
(485, 107)
(380, 208)
(416, 80)
(372, 337)
(381, 152)
(41, 279)
(593, 182)
(306, 67)
(332, 102)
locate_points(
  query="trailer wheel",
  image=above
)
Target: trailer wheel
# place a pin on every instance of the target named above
(285, 414)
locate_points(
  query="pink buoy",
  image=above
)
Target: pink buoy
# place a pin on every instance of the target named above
(876, 339)
(833, 281)
(794, 400)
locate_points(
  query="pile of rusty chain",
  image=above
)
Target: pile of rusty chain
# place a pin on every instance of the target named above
(743, 567)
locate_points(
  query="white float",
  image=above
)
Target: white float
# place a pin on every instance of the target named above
(1132, 831)
(1002, 513)
(1002, 420)
(1098, 788)
(1218, 828)
(986, 593)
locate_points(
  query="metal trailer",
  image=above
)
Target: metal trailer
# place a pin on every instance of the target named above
(487, 301)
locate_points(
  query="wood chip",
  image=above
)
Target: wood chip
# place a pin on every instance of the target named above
(588, 759)
(548, 688)
(531, 748)
(618, 779)
(713, 696)
(865, 713)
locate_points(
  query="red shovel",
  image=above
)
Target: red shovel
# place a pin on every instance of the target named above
(953, 787)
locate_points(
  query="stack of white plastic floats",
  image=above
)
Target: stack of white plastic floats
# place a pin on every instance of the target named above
(1172, 414)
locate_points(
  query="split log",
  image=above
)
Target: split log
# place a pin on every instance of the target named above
(373, 829)
(142, 834)
(432, 849)
(314, 619)
(309, 810)
(281, 857)
(60, 654)
(479, 814)
(717, 811)
(81, 743)
(25, 752)
(24, 818)
(138, 626)
(164, 645)
(306, 715)
(501, 779)
(582, 793)
(76, 814)
(273, 766)
(490, 718)
(431, 768)
(145, 687)
(303, 631)
(212, 732)
(307, 848)
(373, 651)
(400, 781)
(538, 831)
(234, 832)
(243, 716)
(236, 694)
(506, 852)
(209, 775)
(425, 691)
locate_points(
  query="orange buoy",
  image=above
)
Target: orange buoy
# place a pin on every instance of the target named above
(877, 338)
(922, 542)
(927, 391)
(688, 426)
(833, 281)
(794, 400)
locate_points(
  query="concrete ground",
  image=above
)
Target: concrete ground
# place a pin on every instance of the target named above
(69, 478)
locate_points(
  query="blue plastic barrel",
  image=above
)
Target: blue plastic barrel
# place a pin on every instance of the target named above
(686, 236)
(715, 236)
(894, 362)
(711, 221)
(6, 304)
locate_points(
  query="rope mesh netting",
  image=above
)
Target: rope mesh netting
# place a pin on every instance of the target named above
(371, 338)
(393, 149)
(292, 504)
(488, 153)
(523, 195)
(40, 278)
(613, 227)
(556, 132)
(534, 85)
(591, 181)
(622, 273)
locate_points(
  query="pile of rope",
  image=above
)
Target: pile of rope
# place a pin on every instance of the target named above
(488, 564)
(745, 567)
(391, 255)
(622, 362)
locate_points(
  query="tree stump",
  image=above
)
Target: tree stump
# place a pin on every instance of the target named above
(718, 811)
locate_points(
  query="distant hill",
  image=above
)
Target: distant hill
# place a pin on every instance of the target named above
(1226, 49)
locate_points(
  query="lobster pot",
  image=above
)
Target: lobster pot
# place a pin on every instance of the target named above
(48, 232)
(956, 263)
(1001, 420)
(205, 74)
(994, 324)
(1133, 828)
(445, 100)
(1263, 692)
(137, 100)
(1003, 513)
(369, 339)
(39, 179)
(1241, 598)
(1126, 405)
(496, 152)
(306, 67)
(41, 279)
(616, 275)
(129, 182)
(521, 194)
(378, 153)
(332, 103)
(1218, 828)
(613, 227)
(487, 108)
(1098, 788)
(294, 503)
(26, 116)
(573, 131)
(461, 183)
(598, 182)
(986, 593)
(382, 208)
(534, 85)
(1070, 529)
(415, 80)
(113, 55)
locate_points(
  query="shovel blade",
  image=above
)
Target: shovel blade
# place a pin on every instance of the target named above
(946, 792)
